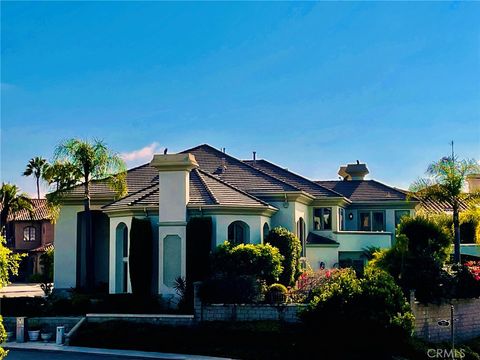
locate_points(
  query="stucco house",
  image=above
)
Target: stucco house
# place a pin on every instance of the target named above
(31, 233)
(335, 220)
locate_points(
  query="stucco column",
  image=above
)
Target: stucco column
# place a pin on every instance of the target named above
(174, 187)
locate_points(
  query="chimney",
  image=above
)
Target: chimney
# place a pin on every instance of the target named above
(356, 171)
(473, 183)
(254, 157)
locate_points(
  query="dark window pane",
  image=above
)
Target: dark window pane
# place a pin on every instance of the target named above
(125, 277)
(399, 214)
(125, 242)
(364, 221)
(378, 221)
(327, 219)
(317, 219)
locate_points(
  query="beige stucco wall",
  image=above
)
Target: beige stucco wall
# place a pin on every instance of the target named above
(318, 253)
(65, 263)
(254, 222)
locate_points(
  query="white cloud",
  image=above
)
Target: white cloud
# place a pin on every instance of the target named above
(141, 155)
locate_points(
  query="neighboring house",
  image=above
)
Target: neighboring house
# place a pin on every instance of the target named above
(31, 233)
(335, 220)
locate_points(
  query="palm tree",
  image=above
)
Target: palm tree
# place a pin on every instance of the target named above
(11, 201)
(92, 160)
(36, 166)
(62, 175)
(445, 183)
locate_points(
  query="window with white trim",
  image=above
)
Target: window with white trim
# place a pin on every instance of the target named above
(322, 218)
(29, 233)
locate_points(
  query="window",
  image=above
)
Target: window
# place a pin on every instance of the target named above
(29, 233)
(399, 214)
(238, 233)
(341, 218)
(266, 230)
(371, 221)
(322, 219)
(301, 234)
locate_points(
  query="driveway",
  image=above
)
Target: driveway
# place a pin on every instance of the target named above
(21, 289)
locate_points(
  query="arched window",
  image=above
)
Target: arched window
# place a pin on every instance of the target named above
(29, 233)
(121, 261)
(238, 233)
(266, 230)
(301, 234)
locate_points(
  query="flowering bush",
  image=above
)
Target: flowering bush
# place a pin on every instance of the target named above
(309, 282)
(474, 268)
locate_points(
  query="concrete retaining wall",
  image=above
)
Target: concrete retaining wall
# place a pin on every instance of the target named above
(174, 320)
(466, 325)
(48, 324)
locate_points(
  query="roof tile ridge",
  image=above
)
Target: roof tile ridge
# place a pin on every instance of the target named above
(310, 181)
(128, 195)
(148, 193)
(209, 191)
(389, 187)
(233, 187)
(244, 163)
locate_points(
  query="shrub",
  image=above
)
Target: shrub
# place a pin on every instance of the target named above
(470, 226)
(349, 306)
(277, 293)
(240, 289)
(260, 260)
(417, 259)
(140, 256)
(309, 283)
(467, 280)
(425, 236)
(290, 248)
(46, 260)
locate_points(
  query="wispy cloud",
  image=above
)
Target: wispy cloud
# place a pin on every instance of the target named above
(139, 156)
(6, 86)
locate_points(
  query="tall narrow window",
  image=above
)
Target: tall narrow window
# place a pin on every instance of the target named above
(121, 258)
(266, 231)
(341, 218)
(322, 219)
(301, 235)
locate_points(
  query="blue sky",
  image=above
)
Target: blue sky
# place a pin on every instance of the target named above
(309, 86)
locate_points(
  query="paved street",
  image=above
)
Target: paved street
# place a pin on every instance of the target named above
(15, 354)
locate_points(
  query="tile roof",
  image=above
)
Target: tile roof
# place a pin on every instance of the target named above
(40, 212)
(205, 189)
(293, 179)
(236, 172)
(138, 178)
(435, 206)
(316, 239)
(364, 190)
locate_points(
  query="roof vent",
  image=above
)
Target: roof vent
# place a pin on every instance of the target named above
(356, 171)
(221, 169)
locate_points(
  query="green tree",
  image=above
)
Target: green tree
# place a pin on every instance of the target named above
(61, 175)
(36, 166)
(92, 160)
(11, 201)
(290, 247)
(445, 182)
